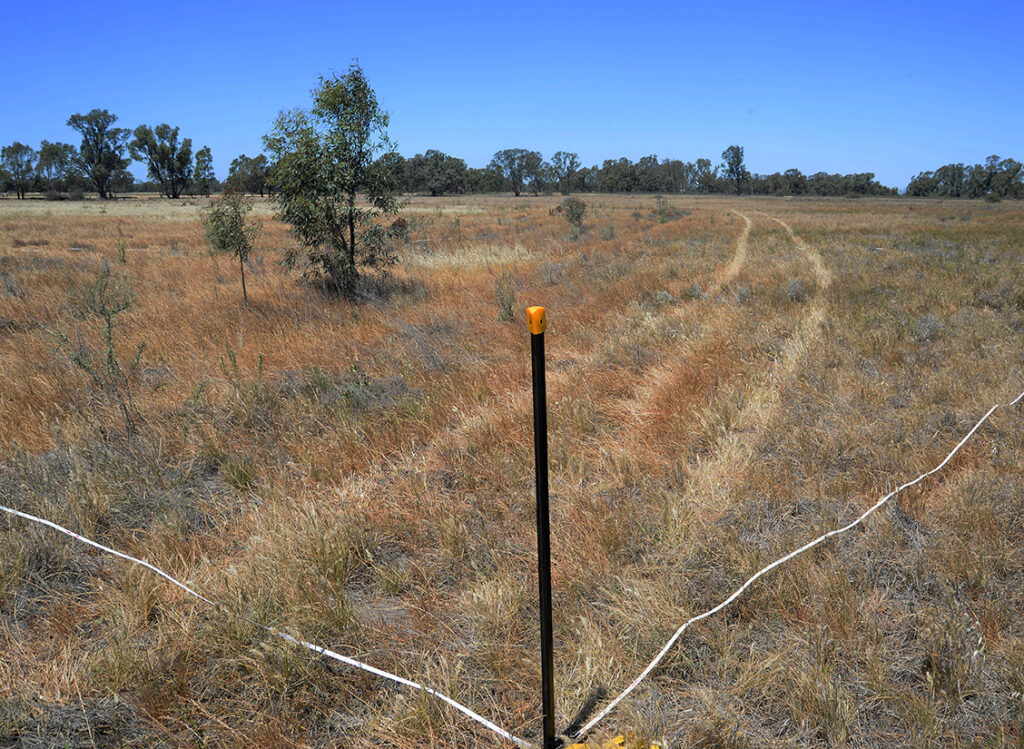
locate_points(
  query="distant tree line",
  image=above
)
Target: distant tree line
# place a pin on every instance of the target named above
(995, 179)
(100, 163)
(523, 171)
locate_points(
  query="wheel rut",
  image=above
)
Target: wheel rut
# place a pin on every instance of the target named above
(518, 401)
(714, 478)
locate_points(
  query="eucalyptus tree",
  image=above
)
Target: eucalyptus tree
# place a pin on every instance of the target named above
(202, 174)
(167, 160)
(18, 163)
(328, 182)
(565, 167)
(704, 175)
(57, 166)
(102, 153)
(229, 230)
(733, 167)
(435, 172)
(249, 174)
(518, 166)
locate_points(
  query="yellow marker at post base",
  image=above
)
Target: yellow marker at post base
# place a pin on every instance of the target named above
(536, 319)
(618, 741)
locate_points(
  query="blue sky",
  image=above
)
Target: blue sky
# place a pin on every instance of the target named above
(893, 88)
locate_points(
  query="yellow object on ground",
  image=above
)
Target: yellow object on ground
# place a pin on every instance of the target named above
(617, 742)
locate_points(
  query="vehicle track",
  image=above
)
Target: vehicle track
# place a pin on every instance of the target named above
(713, 479)
(739, 258)
(518, 401)
(636, 409)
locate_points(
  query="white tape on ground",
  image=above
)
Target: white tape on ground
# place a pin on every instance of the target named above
(310, 646)
(810, 545)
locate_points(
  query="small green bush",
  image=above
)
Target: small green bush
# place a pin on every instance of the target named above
(229, 230)
(574, 210)
(106, 298)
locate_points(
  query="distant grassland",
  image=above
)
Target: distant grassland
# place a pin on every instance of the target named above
(728, 378)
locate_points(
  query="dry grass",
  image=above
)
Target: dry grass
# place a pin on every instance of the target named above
(723, 386)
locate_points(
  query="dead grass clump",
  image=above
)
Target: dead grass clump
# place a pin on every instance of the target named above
(717, 733)
(101, 721)
(505, 297)
(10, 287)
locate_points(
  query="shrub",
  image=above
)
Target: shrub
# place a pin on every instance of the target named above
(574, 210)
(228, 230)
(325, 158)
(106, 298)
(663, 298)
(662, 210)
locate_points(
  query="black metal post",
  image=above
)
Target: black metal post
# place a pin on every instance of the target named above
(537, 319)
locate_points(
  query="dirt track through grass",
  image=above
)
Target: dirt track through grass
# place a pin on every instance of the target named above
(739, 258)
(515, 404)
(696, 364)
(715, 477)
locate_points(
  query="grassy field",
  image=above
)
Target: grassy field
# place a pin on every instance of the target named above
(728, 378)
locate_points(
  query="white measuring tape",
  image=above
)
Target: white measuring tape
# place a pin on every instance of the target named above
(493, 727)
(284, 636)
(739, 591)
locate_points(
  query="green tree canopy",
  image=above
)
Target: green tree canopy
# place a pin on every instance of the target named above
(435, 172)
(249, 175)
(487, 179)
(328, 182)
(18, 163)
(57, 167)
(102, 153)
(229, 230)
(733, 167)
(203, 178)
(518, 166)
(618, 175)
(565, 168)
(704, 176)
(167, 161)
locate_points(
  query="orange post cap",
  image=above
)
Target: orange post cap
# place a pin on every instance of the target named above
(536, 319)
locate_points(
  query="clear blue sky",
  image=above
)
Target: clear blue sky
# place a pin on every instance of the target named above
(893, 88)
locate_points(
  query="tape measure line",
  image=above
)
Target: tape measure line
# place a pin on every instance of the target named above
(284, 636)
(806, 547)
(90, 542)
(414, 685)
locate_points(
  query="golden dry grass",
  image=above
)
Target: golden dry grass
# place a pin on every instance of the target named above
(722, 387)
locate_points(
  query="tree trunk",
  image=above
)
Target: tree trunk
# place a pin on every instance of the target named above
(352, 236)
(241, 267)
